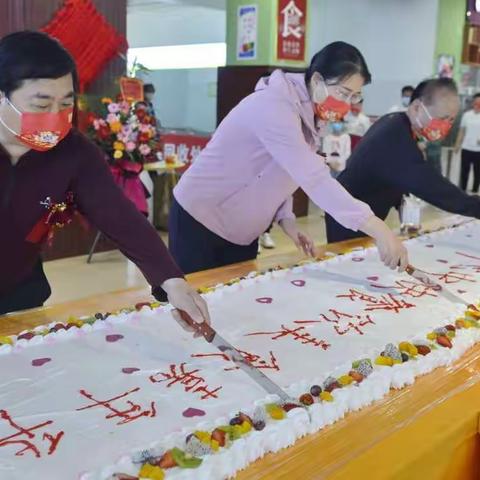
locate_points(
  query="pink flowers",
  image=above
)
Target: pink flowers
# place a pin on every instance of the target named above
(113, 107)
(125, 108)
(144, 149)
(125, 132)
(99, 122)
(112, 118)
(144, 128)
(130, 146)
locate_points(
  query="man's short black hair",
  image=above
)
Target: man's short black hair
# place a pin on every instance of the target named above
(148, 88)
(426, 90)
(407, 89)
(32, 55)
(477, 95)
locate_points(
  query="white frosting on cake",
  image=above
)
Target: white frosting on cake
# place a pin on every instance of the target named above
(296, 325)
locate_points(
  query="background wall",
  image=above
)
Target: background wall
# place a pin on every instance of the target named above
(187, 97)
(153, 25)
(451, 15)
(396, 37)
(400, 39)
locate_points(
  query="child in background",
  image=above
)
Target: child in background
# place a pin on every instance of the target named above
(356, 122)
(337, 148)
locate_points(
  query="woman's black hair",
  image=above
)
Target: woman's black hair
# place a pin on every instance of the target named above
(338, 61)
(32, 55)
(426, 90)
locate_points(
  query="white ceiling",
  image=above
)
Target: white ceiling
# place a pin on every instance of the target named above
(140, 4)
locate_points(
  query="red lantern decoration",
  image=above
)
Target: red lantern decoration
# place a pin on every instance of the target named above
(87, 35)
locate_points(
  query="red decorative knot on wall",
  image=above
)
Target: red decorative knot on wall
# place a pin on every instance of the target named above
(87, 35)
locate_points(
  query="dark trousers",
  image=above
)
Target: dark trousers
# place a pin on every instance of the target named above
(337, 232)
(470, 159)
(194, 247)
(30, 293)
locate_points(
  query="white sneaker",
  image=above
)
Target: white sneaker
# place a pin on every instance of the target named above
(267, 241)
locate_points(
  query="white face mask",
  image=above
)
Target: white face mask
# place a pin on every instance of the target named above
(405, 101)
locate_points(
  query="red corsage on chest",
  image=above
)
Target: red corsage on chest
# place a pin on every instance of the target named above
(57, 215)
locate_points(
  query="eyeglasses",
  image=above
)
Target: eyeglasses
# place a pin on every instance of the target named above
(431, 117)
(345, 95)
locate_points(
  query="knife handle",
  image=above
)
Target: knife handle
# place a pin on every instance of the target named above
(203, 328)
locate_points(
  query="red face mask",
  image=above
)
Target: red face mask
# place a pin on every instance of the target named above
(355, 109)
(42, 131)
(436, 129)
(331, 109)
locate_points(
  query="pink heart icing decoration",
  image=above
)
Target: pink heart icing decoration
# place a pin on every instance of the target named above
(298, 283)
(373, 279)
(38, 362)
(461, 291)
(113, 338)
(193, 412)
(442, 261)
(129, 370)
(264, 300)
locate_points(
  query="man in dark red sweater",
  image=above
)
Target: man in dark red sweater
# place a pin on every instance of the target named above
(44, 162)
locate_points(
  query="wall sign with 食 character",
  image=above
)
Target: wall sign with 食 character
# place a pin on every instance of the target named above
(291, 28)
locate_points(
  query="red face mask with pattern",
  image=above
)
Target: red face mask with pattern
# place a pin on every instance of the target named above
(42, 131)
(331, 109)
(436, 129)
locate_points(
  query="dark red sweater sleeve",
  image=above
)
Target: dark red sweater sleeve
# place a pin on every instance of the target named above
(105, 206)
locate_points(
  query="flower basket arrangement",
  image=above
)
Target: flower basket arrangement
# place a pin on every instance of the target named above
(128, 136)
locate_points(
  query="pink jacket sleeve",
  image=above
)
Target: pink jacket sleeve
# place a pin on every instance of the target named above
(285, 211)
(279, 128)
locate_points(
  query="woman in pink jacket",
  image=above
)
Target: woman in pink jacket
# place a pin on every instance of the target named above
(260, 154)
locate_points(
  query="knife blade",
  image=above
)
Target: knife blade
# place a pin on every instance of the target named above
(427, 280)
(213, 337)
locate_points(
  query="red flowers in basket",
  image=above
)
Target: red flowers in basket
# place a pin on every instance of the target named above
(124, 132)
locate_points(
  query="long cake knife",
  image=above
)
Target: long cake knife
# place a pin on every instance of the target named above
(212, 336)
(427, 280)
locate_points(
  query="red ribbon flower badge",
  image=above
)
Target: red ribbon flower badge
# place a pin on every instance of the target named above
(57, 216)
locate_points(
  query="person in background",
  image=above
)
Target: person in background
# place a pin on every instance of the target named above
(148, 97)
(388, 162)
(407, 92)
(260, 154)
(49, 171)
(337, 148)
(357, 123)
(468, 140)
